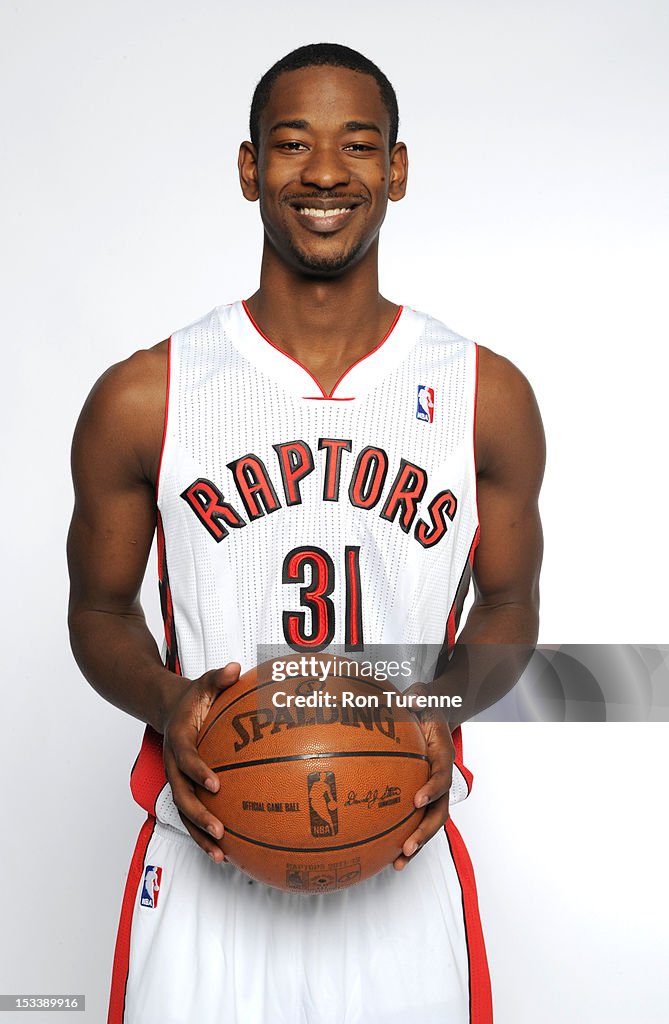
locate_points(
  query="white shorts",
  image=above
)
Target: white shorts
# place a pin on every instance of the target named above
(199, 943)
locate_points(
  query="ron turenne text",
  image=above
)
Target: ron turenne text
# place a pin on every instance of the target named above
(349, 699)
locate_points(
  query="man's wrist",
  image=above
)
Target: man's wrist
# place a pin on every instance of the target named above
(169, 688)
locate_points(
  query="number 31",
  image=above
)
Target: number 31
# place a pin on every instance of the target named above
(315, 597)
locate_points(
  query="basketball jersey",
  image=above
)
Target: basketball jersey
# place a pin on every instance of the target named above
(293, 519)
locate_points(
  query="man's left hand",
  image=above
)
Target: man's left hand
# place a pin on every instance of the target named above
(434, 794)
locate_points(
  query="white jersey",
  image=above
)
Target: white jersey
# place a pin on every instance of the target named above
(289, 518)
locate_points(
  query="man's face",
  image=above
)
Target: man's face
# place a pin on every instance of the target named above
(324, 171)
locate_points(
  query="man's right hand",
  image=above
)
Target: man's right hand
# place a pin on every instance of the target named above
(183, 765)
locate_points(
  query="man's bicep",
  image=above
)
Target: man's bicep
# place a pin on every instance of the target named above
(508, 557)
(114, 513)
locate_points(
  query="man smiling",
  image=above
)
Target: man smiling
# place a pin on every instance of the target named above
(383, 461)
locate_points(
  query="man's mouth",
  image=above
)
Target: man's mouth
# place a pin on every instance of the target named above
(324, 215)
(313, 211)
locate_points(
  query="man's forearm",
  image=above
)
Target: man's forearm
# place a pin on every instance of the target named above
(490, 655)
(119, 657)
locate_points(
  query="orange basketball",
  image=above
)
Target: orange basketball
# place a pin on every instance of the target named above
(317, 777)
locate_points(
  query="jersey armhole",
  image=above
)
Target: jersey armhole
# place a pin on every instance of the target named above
(166, 416)
(476, 396)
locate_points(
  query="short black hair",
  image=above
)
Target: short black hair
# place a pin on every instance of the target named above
(322, 55)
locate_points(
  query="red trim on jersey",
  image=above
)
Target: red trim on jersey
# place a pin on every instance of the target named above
(147, 777)
(451, 623)
(166, 604)
(450, 627)
(122, 950)
(480, 995)
(450, 640)
(384, 339)
(167, 406)
(324, 395)
(286, 354)
(475, 544)
(476, 399)
(456, 736)
(477, 535)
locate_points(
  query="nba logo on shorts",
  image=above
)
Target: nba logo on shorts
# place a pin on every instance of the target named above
(151, 886)
(425, 404)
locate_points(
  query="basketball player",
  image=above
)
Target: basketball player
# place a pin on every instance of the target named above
(322, 466)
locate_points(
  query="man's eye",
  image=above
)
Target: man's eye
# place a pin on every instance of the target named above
(293, 146)
(359, 147)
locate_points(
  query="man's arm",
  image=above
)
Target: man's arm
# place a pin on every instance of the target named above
(115, 458)
(510, 457)
(501, 629)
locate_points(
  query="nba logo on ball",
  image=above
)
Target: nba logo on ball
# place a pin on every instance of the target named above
(323, 804)
(425, 404)
(151, 886)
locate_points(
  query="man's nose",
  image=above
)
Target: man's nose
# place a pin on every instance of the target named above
(325, 168)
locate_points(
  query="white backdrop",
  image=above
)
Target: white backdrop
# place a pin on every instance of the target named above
(536, 223)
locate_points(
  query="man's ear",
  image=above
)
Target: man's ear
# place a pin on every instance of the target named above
(247, 162)
(399, 172)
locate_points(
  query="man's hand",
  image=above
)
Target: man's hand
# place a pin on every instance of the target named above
(434, 794)
(183, 765)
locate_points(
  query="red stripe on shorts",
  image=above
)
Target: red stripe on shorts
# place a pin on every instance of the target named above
(122, 951)
(456, 736)
(480, 995)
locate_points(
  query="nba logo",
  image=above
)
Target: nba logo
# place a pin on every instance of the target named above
(425, 404)
(323, 804)
(151, 886)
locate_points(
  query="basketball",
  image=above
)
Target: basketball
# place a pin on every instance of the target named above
(317, 775)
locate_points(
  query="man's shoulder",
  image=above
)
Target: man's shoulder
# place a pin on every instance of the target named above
(133, 381)
(123, 416)
(500, 380)
(142, 376)
(508, 421)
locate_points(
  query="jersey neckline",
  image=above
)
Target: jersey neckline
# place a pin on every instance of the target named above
(363, 375)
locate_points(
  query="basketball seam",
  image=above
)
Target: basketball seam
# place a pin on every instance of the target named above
(318, 757)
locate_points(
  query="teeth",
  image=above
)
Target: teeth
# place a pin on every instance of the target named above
(307, 212)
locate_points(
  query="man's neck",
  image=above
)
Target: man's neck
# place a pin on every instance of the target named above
(326, 324)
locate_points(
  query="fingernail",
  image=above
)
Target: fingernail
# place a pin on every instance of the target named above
(423, 800)
(213, 831)
(212, 854)
(210, 785)
(412, 849)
